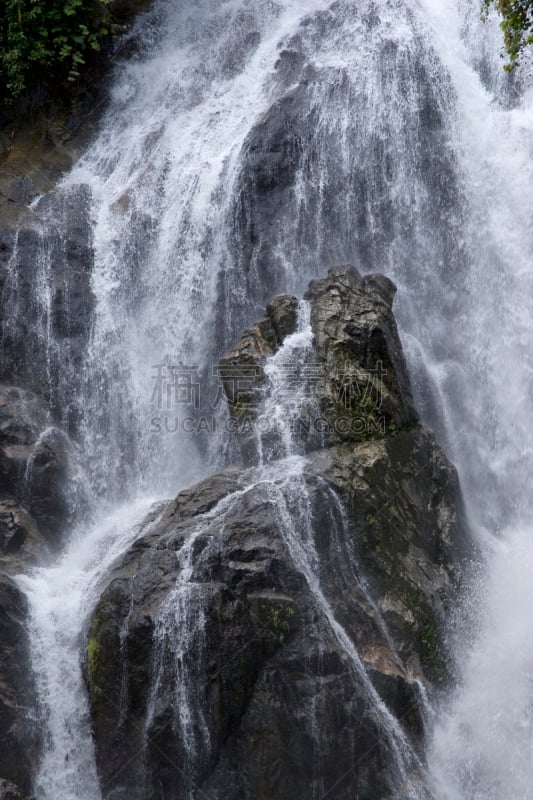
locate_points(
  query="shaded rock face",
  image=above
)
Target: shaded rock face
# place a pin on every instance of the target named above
(34, 490)
(357, 342)
(360, 385)
(45, 320)
(269, 633)
(20, 540)
(8, 791)
(242, 368)
(47, 301)
(34, 513)
(19, 738)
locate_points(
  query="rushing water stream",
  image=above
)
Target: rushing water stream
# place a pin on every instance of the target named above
(408, 153)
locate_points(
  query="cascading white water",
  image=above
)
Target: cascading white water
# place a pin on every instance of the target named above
(180, 633)
(60, 598)
(162, 174)
(407, 161)
(483, 740)
(286, 393)
(292, 500)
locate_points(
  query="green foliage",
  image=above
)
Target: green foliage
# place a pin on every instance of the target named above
(280, 619)
(95, 663)
(50, 38)
(517, 26)
(94, 657)
(393, 429)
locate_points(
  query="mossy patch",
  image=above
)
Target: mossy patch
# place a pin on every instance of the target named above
(95, 662)
(277, 616)
(431, 653)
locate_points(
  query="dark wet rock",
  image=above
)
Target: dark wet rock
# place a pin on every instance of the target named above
(34, 471)
(246, 641)
(8, 791)
(33, 157)
(357, 341)
(361, 387)
(275, 146)
(19, 738)
(21, 543)
(283, 311)
(270, 160)
(22, 418)
(47, 300)
(404, 499)
(47, 485)
(268, 670)
(241, 369)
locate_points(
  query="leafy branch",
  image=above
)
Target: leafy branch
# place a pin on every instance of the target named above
(49, 37)
(517, 26)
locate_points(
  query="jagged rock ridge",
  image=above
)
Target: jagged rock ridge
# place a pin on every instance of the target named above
(251, 641)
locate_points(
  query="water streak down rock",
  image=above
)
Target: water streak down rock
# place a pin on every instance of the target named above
(273, 633)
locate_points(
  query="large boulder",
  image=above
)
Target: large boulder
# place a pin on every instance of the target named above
(34, 475)
(21, 542)
(273, 630)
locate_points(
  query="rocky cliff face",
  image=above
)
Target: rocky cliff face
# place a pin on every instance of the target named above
(34, 510)
(19, 733)
(45, 266)
(45, 316)
(44, 323)
(273, 630)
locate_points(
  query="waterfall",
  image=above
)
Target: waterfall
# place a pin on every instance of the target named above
(60, 598)
(482, 741)
(286, 393)
(247, 146)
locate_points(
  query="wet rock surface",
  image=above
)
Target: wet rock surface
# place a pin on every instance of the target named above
(21, 542)
(19, 737)
(34, 475)
(8, 791)
(360, 388)
(242, 368)
(33, 518)
(47, 301)
(357, 342)
(256, 639)
(34, 513)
